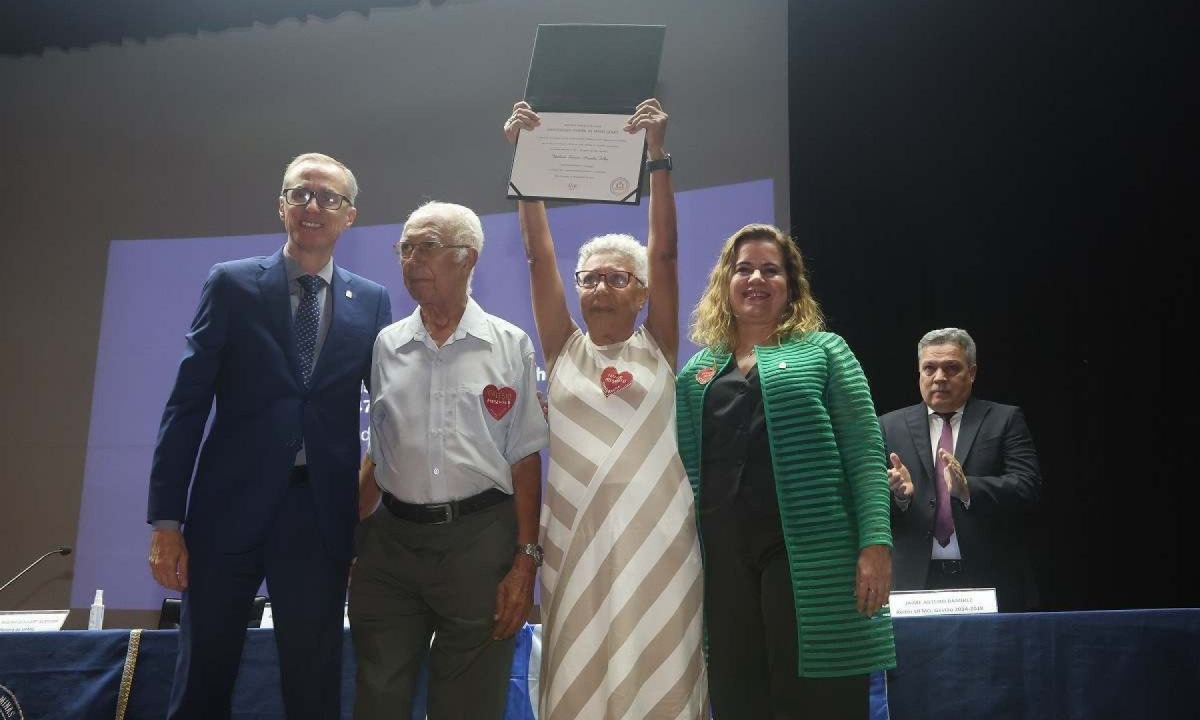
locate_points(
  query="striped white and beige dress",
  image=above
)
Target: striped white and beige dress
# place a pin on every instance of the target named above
(622, 581)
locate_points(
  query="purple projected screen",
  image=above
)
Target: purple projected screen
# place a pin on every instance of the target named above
(151, 291)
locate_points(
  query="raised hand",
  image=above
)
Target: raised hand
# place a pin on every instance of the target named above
(649, 116)
(523, 118)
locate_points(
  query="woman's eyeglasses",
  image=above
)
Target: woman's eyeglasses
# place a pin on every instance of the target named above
(615, 279)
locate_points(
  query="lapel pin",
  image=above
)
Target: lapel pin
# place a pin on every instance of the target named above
(349, 294)
(783, 366)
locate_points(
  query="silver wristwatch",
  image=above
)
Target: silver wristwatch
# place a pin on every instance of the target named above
(533, 551)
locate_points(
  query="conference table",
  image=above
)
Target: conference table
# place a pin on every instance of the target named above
(1041, 666)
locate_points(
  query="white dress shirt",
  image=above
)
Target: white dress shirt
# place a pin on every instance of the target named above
(432, 436)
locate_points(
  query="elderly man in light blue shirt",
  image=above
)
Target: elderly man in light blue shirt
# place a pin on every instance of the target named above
(450, 554)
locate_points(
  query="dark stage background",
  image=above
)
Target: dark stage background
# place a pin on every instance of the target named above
(1024, 170)
(1027, 171)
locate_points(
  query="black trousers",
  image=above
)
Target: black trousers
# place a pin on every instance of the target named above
(751, 617)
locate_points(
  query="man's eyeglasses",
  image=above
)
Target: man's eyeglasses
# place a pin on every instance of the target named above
(326, 199)
(615, 279)
(406, 249)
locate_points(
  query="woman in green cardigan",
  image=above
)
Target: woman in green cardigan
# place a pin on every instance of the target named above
(781, 443)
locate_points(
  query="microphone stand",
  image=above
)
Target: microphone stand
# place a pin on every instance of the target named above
(59, 551)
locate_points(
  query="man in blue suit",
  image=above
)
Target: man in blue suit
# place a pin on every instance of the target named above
(282, 344)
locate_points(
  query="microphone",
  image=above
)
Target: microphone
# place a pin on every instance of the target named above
(32, 565)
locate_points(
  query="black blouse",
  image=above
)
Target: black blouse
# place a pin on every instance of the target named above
(736, 455)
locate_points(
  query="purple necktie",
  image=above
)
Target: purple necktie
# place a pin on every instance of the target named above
(943, 523)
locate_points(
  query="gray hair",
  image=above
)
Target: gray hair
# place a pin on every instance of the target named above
(459, 221)
(621, 244)
(949, 336)
(351, 182)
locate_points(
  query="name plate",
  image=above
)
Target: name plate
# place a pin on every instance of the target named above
(968, 601)
(32, 620)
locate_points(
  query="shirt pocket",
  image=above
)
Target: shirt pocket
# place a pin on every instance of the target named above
(488, 408)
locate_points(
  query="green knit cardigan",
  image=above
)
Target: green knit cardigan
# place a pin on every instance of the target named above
(831, 484)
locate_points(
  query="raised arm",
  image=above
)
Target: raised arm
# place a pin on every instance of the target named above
(662, 313)
(554, 322)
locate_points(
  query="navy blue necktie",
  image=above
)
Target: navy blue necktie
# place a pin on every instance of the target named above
(308, 323)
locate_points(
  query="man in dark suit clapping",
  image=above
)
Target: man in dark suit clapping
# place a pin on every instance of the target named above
(964, 476)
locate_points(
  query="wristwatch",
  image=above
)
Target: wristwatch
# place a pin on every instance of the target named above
(663, 163)
(533, 551)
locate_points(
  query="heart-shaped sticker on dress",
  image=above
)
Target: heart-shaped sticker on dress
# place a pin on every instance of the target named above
(612, 381)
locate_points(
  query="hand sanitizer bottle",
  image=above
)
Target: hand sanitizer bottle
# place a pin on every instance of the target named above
(96, 615)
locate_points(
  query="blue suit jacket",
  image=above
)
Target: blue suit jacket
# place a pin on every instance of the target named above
(997, 453)
(241, 352)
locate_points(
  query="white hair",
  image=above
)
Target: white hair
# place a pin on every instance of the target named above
(620, 244)
(459, 222)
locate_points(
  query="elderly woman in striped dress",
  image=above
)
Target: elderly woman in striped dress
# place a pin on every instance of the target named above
(621, 584)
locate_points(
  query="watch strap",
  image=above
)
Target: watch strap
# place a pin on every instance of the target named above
(532, 550)
(663, 163)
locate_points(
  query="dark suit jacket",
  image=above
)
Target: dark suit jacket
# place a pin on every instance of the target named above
(241, 352)
(998, 456)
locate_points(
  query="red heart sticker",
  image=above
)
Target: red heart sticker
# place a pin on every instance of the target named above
(613, 381)
(498, 401)
(705, 375)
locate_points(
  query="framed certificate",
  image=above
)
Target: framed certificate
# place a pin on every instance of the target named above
(578, 156)
(584, 82)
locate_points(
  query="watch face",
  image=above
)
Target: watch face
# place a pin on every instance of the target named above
(533, 551)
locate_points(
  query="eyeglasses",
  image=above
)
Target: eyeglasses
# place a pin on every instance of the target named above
(326, 199)
(406, 249)
(615, 279)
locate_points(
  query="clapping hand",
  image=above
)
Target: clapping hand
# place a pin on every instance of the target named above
(899, 480)
(954, 476)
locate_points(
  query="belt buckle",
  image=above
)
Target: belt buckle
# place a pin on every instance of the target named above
(447, 508)
(952, 567)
